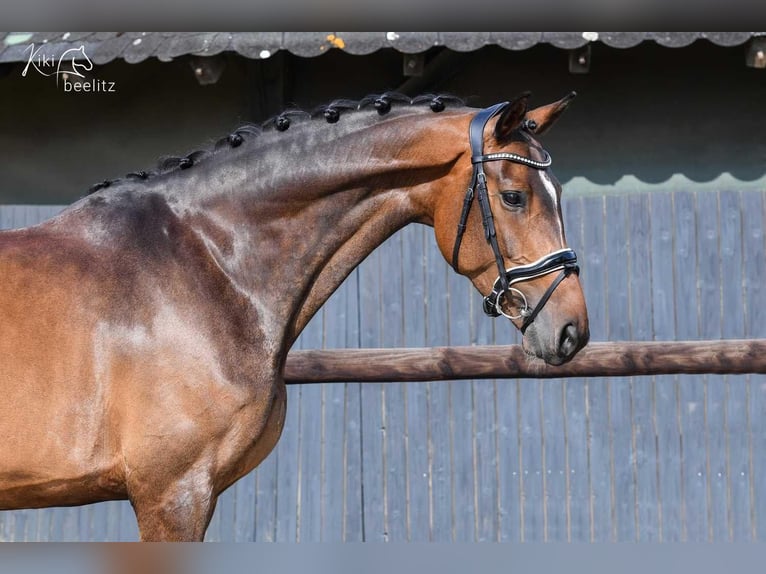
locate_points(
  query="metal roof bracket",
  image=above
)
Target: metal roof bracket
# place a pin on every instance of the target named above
(579, 60)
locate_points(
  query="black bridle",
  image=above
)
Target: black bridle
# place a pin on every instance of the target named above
(563, 260)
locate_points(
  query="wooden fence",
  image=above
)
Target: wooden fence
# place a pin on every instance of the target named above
(651, 457)
(732, 357)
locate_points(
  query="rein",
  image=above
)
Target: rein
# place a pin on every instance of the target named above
(563, 260)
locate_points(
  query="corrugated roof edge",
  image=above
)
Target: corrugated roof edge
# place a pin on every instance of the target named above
(135, 47)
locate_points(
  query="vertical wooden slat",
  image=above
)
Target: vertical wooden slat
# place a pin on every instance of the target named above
(733, 326)
(392, 327)
(39, 533)
(578, 499)
(599, 458)
(334, 416)
(485, 461)
(287, 477)
(554, 460)
(668, 436)
(18, 526)
(311, 443)
(25, 527)
(573, 399)
(594, 272)
(5, 216)
(35, 525)
(64, 525)
(414, 295)
(461, 417)
(373, 424)
(440, 461)
(353, 527)
(742, 491)
(620, 400)
(754, 258)
(84, 516)
(641, 329)
(597, 407)
(530, 425)
(691, 389)
(413, 309)
(710, 312)
(8, 527)
(42, 530)
(509, 471)
(754, 283)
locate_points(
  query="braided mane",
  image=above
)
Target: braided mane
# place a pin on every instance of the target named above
(331, 113)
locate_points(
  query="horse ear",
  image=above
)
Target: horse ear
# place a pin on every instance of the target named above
(511, 118)
(541, 119)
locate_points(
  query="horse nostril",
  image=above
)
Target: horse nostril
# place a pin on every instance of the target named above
(569, 341)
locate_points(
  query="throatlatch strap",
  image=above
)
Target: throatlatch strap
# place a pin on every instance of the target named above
(467, 202)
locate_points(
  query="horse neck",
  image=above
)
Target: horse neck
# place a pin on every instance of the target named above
(305, 219)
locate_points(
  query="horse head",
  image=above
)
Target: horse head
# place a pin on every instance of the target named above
(512, 246)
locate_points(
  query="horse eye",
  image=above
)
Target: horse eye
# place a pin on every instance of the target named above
(512, 198)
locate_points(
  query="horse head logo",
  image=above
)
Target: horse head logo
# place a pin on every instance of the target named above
(73, 61)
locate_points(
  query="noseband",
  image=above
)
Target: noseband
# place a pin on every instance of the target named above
(563, 260)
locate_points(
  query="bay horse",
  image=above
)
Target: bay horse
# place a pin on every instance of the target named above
(144, 330)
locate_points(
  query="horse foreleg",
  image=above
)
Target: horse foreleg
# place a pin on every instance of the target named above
(174, 499)
(180, 513)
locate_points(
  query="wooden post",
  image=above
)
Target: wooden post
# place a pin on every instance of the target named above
(618, 359)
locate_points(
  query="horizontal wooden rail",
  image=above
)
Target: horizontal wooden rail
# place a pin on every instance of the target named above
(619, 359)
